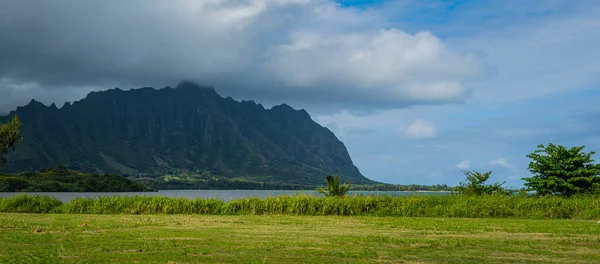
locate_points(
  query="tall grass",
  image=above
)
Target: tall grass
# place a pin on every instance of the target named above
(143, 205)
(412, 206)
(30, 204)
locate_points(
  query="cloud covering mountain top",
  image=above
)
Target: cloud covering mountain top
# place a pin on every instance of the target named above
(315, 51)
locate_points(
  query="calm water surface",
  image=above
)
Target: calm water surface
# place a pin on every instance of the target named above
(225, 195)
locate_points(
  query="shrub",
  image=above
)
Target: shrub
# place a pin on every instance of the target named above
(475, 184)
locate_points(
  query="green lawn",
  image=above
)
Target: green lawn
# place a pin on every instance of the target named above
(49, 238)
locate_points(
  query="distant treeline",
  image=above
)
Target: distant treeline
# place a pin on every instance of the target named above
(61, 179)
(402, 188)
(227, 184)
(237, 184)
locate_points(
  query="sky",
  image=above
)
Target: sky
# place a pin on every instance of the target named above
(418, 90)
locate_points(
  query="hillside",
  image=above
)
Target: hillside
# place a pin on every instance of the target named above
(188, 129)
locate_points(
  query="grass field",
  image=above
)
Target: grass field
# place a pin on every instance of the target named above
(61, 238)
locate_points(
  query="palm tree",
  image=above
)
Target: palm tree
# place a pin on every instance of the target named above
(334, 188)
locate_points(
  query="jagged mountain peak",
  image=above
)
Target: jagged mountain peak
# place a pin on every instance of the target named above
(187, 129)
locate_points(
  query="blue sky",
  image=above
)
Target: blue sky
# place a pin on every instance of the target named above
(544, 89)
(418, 90)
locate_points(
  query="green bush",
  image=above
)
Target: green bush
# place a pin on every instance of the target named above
(475, 184)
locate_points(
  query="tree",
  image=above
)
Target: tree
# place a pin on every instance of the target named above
(334, 188)
(559, 170)
(475, 184)
(9, 137)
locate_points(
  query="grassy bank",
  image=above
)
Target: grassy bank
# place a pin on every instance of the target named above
(412, 206)
(61, 238)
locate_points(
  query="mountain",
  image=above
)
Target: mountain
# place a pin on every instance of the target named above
(188, 129)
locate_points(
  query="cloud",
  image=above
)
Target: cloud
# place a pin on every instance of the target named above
(420, 129)
(386, 66)
(464, 165)
(347, 122)
(502, 162)
(262, 49)
(540, 49)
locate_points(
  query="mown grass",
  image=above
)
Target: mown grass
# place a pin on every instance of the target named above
(412, 206)
(61, 238)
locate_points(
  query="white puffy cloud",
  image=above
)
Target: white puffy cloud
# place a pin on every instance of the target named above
(388, 65)
(420, 129)
(464, 165)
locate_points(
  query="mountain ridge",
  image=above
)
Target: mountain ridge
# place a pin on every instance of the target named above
(186, 129)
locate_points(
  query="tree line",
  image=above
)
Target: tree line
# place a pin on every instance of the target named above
(61, 179)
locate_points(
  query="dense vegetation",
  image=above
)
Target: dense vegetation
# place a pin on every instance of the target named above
(60, 179)
(184, 130)
(10, 136)
(484, 206)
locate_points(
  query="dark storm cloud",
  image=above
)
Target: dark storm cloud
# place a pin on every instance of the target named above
(310, 51)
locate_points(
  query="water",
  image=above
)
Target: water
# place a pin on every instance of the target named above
(225, 195)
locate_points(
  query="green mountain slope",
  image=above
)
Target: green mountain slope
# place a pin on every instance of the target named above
(187, 129)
